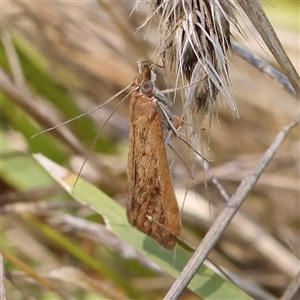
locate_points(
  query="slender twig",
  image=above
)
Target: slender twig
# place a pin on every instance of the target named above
(227, 214)
(262, 24)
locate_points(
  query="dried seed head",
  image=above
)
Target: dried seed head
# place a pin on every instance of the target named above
(195, 36)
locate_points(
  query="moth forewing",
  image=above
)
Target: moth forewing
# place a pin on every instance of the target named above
(151, 203)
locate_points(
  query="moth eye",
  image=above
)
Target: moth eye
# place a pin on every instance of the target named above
(147, 87)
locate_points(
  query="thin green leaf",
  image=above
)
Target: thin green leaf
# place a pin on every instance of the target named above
(205, 283)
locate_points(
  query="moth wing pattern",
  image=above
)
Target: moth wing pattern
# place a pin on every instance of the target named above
(151, 203)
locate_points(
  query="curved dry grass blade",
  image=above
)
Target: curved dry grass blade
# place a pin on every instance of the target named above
(24, 100)
(34, 275)
(264, 67)
(13, 58)
(100, 234)
(227, 214)
(261, 23)
(120, 19)
(30, 196)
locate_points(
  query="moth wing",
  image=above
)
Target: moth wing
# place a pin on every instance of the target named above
(151, 203)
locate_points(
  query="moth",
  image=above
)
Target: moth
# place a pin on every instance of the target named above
(151, 202)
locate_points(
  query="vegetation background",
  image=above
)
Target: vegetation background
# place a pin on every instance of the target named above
(63, 59)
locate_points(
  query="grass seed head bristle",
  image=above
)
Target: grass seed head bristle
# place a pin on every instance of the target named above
(195, 37)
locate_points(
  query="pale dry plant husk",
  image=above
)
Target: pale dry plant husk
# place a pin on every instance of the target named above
(194, 37)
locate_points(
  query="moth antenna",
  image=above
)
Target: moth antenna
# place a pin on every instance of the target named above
(98, 134)
(84, 114)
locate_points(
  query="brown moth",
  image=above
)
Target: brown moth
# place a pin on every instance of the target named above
(151, 203)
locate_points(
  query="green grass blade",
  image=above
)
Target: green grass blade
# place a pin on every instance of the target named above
(205, 283)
